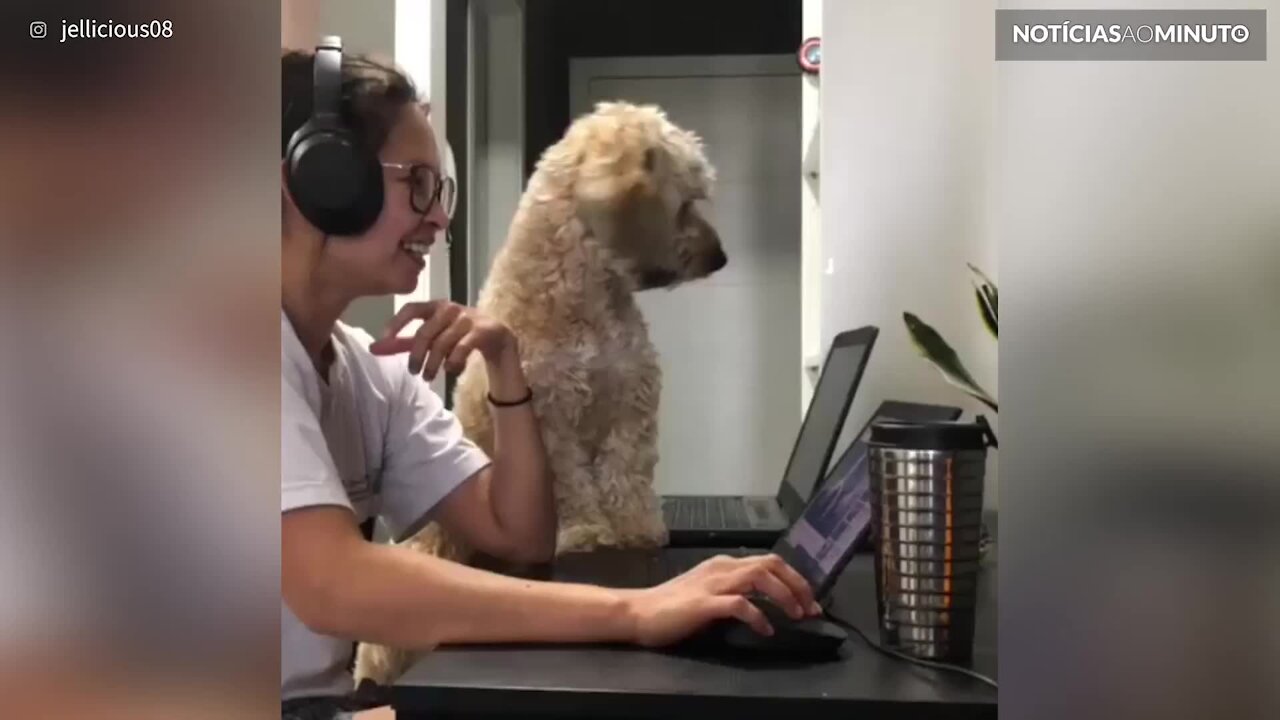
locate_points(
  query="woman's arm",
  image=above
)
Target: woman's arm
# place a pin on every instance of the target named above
(506, 510)
(521, 497)
(339, 585)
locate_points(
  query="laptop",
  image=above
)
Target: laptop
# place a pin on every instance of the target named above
(834, 524)
(759, 520)
(838, 510)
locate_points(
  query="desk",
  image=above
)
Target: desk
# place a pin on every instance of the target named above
(605, 682)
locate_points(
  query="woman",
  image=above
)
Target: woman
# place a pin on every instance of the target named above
(364, 435)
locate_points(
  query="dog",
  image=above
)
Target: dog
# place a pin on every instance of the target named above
(612, 209)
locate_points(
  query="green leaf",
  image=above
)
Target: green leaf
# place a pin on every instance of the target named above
(936, 350)
(988, 288)
(988, 311)
(982, 278)
(988, 300)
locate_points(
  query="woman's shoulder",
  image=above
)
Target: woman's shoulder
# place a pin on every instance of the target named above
(386, 373)
(355, 341)
(353, 336)
(384, 380)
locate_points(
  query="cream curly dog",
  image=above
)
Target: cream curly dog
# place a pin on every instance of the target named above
(611, 209)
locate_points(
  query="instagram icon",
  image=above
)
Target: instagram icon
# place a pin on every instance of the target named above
(39, 29)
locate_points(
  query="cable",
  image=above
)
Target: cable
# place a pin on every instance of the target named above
(913, 660)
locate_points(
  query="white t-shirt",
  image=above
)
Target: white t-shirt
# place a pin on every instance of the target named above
(374, 439)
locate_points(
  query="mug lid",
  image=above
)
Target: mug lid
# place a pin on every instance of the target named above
(932, 435)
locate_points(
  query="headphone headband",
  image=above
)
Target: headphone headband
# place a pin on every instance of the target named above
(327, 79)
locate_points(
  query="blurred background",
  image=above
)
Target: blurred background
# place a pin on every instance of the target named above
(139, 411)
(1129, 210)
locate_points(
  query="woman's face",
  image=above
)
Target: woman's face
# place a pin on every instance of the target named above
(380, 261)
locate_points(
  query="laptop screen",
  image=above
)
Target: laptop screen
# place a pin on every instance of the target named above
(821, 427)
(835, 519)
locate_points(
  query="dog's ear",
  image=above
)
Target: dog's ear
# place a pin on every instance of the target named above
(619, 192)
(609, 176)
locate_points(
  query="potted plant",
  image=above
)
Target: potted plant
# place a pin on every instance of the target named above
(930, 344)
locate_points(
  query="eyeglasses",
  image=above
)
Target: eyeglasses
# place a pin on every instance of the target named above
(427, 187)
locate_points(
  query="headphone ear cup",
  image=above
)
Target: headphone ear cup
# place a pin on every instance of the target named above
(335, 183)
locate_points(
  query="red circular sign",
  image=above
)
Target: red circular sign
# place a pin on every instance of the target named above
(810, 55)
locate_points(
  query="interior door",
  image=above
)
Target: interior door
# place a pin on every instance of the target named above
(729, 344)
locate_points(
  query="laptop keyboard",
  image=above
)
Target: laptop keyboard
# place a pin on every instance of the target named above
(706, 512)
(762, 508)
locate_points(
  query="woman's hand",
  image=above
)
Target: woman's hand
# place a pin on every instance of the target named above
(448, 335)
(717, 589)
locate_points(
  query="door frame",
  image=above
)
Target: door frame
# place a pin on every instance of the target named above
(671, 66)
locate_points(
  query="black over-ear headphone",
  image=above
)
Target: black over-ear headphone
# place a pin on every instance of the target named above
(335, 180)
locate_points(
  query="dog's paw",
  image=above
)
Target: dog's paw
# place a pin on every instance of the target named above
(380, 664)
(641, 528)
(433, 540)
(580, 538)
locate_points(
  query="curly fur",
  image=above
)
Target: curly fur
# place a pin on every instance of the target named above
(610, 210)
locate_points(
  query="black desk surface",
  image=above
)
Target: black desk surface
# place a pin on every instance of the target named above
(624, 682)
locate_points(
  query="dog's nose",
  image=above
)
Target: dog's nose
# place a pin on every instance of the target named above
(718, 260)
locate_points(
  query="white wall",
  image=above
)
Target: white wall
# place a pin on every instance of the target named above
(906, 116)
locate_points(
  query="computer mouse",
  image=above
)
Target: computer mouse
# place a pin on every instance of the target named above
(810, 637)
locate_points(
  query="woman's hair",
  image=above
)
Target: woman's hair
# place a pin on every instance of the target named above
(373, 93)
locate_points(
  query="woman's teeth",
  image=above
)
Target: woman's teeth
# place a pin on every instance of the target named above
(416, 249)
